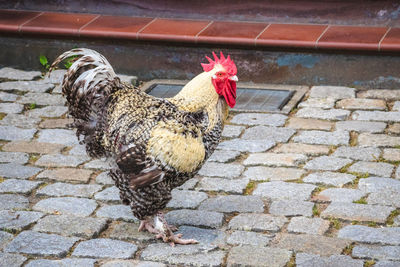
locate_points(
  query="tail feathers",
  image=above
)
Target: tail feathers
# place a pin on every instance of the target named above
(87, 86)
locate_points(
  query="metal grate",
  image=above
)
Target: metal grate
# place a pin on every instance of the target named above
(248, 99)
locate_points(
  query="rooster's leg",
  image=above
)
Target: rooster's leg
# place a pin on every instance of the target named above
(165, 232)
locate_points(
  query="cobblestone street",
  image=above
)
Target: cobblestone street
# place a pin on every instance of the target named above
(317, 187)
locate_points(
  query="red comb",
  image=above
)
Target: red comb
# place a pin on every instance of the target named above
(227, 63)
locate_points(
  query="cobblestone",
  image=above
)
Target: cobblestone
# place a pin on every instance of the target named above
(257, 222)
(8, 97)
(18, 220)
(385, 197)
(375, 184)
(20, 121)
(66, 174)
(231, 131)
(258, 256)
(5, 238)
(101, 164)
(223, 156)
(249, 238)
(48, 112)
(327, 163)
(210, 219)
(8, 259)
(42, 99)
(71, 262)
(18, 186)
(335, 138)
(340, 195)
(298, 148)
(291, 208)
(380, 94)
(67, 205)
(361, 126)
(11, 133)
(235, 186)
(357, 212)
(16, 157)
(325, 103)
(41, 244)
(365, 234)
(186, 199)
(105, 248)
(203, 236)
(12, 170)
(26, 86)
(32, 147)
(104, 178)
(8, 202)
(275, 159)
(58, 136)
(132, 263)
(394, 128)
(276, 134)
(303, 225)
(229, 170)
(323, 114)
(313, 244)
(309, 124)
(231, 204)
(58, 160)
(391, 154)
(335, 92)
(259, 119)
(11, 108)
(386, 264)
(329, 178)
(387, 116)
(358, 153)
(378, 140)
(246, 145)
(284, 191)
(261, 173)
(110, 194)
(361, 103)
(128, 231)
(55, 123)
(116, 212)
(65, 189)
(377, 252)
(15, 74)
(373, 168)
(306, 260)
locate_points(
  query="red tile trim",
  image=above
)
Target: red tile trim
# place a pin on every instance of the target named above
(364, 38)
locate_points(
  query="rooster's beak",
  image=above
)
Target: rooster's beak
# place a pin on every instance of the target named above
(234, 78)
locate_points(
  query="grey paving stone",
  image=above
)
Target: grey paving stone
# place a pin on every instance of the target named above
(11, 108)
(261, 173)
(323, 138)
(105, 248)
(231, 131)
(387, 116)
(132, 263)
(104, 178)
(8, 259)
(378, 140)
(259, 119)
(358, 153)
(291, 208)
(375, 184)
(58, 136)
(246, 145)
(70, 225)
(32, 147)
(11, 133)
(361, 126)
(58, 160)
(361, 103)
(364, 234)
(298, 148)
(42, 99)
(189, 184)
(377, 252)
(249, 238)
(128, 231)
(11, 201)
(41, 244)
(65, 189)
(275, 159)
(387, 264)
(386, 94)
(235, 186)
(18, 186)
(102, 164)
(325, 103)
(8, 97)
(20, 121)
(70, 262)
(209, 219)
(276, 134)
(5, 238)
(385, 197)
(12, 170)
(323, 114)
(56, 76)
(335, 92)
(394, 128)
(346, 195)
(357, 212)
(48, 112)
(284, 191)
(18, 220)
(116, 212)
(257, 222)
(309, 124)
(310, 260)
(396, 221)
(374, 168)
(313, 244)
(233, 204)
(203, 236)
(109, 194)
(258, 256)
(327, 163)
(214, 169)
(223, 156)
(189, 255)
(78, 150)
(396, 106)
(392, 154)
(186, 199)
(15, 74)
(66, 174)
(329, 178)
(26, 86)
(67, 205)
(303, 225)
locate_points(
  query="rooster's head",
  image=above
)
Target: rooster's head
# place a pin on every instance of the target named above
(224, 77)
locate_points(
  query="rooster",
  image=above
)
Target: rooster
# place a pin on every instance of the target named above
(156, 144)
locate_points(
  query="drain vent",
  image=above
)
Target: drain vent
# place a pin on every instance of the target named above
(254, 97)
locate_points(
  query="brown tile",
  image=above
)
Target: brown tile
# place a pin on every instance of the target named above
(172, 30)
(10, 20)
(391, 42)
(232, 32)
(299, 35)
(57, 23)
(113, 26)
(352, 37)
